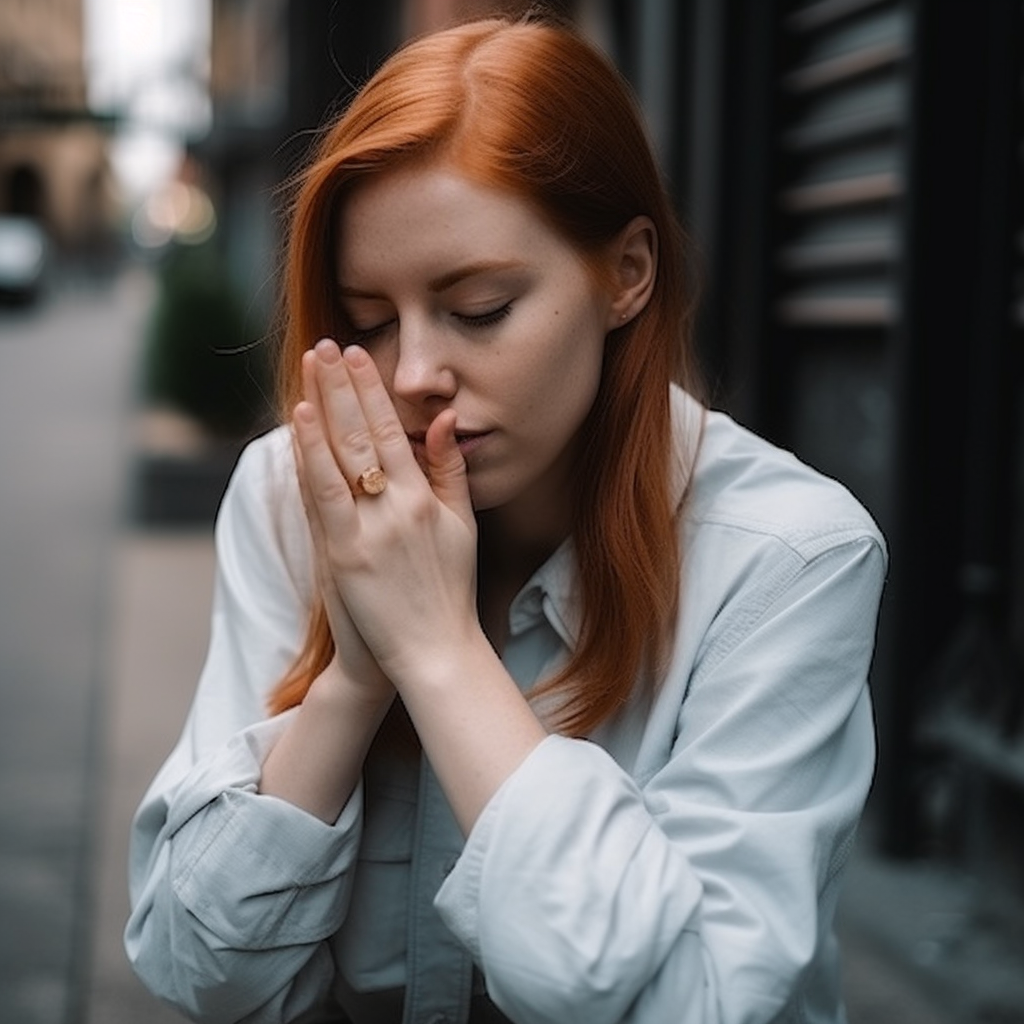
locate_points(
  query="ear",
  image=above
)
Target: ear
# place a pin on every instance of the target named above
(634, 267)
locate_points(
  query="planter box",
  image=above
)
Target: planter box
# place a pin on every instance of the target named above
(180, 491)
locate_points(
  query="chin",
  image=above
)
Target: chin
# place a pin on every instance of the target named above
(490, 494)
(482, 500)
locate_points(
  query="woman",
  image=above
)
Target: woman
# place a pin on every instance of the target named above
(566, 675)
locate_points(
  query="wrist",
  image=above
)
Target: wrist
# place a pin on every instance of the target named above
(475, 725)
(336, 693)
(451, 661)
(317, 761)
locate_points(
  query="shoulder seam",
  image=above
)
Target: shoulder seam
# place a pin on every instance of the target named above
(806, 543)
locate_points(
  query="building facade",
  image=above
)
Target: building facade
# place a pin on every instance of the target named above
(53, 152)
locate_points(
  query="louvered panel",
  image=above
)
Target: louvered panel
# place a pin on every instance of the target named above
(851, 178)
(850, 114)
(846, 93)
(810, 16)
(875, 41)
(834, 242)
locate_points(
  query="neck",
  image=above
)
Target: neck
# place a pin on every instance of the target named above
(522, 534)
(511, 548)
(515, 540)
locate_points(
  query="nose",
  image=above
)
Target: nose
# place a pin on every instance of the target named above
(422, 367)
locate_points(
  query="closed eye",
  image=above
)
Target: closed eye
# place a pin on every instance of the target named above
(363, 335)
(360, 336)
(487, 319)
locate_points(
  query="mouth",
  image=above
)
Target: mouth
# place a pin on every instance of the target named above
(467, 440)
(470, 441)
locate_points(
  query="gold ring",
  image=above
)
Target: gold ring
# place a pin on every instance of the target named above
(371, 481)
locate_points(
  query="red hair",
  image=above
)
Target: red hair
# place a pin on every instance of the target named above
(530, 107)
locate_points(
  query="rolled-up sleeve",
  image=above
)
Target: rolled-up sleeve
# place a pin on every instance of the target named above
(704, 892)
(234, 893)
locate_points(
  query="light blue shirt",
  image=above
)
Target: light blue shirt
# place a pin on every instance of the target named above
(682, 865)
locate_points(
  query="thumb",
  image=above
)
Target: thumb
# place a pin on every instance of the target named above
(447, 467)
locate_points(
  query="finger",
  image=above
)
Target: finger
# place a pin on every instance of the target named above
(389, 437)
(328, 591)
(337, 616)
(327, 489)
(312, 394)
(347, 430)
(310, 389)
(316, 526)
(446, 465)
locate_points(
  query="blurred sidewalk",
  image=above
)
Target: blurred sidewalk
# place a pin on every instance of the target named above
(159, 624)
(904, 928)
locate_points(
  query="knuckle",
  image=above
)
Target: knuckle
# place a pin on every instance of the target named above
(392, 435)
(333, 492)
(350, 561)
(422, 507)
(357, 439)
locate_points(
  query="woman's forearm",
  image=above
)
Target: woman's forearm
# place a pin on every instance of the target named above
(475, 726)
(317, 762)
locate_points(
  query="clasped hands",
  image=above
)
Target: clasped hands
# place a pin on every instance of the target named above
(397, 569)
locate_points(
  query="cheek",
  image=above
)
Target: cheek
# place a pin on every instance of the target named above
(555, 389)
(384, 358)
(578, 354)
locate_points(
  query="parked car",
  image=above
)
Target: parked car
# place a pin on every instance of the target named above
(23, 251)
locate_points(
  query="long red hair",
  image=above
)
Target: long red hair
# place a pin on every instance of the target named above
(530, 107)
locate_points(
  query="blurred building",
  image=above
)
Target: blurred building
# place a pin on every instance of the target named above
(53, 151)
(277, 70)
(850, 173)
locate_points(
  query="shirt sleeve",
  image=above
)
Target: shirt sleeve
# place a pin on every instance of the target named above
(704, 894)
(234, 893)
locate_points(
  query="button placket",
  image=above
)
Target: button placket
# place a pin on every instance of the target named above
(439, 970)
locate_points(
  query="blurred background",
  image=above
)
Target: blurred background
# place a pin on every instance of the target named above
(850, 171)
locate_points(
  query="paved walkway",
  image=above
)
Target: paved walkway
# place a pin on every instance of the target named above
(159, 627)
(66, 374)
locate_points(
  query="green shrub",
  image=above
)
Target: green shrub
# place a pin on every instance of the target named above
(204, 355)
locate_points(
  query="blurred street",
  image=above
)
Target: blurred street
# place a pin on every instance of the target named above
(67, 370)
(102, 633)
(64, 381)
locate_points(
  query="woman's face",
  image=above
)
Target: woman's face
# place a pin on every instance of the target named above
(466, 299)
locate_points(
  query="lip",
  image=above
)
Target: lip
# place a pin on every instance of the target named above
(467, 440)
(470, 441)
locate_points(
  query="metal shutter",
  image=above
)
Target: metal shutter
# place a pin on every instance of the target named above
(845, 102)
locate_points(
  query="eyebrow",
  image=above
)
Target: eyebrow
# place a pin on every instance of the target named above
(449, 280)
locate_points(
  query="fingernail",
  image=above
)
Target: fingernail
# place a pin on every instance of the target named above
(328, 350)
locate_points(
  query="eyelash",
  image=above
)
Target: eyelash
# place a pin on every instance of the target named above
(480, 321)
(486, 319)
(355, 337)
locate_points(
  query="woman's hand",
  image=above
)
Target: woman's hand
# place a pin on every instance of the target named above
(355, 665)
(400, 565)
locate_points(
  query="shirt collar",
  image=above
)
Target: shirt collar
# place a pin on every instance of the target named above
(548, 593)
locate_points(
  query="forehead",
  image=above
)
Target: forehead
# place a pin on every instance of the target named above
(426, 218)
